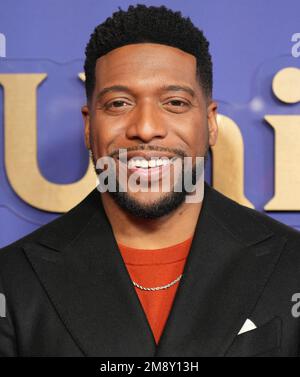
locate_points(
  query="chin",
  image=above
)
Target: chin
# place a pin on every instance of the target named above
(148, 206)
(146, 198)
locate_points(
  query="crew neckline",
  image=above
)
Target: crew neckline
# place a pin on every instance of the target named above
(165, 255)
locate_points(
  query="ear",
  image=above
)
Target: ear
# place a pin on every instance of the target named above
(86, 119)
(212, 123)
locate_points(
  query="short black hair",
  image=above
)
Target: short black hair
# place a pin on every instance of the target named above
(141, 24)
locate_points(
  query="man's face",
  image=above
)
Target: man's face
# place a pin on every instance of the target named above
(147, 100)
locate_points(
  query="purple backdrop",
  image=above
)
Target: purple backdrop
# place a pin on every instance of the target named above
(250, 42)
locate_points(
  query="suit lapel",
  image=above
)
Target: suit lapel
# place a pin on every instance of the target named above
(89, 286)
(231, 259)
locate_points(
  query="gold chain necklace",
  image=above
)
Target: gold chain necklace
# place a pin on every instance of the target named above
(157, 288)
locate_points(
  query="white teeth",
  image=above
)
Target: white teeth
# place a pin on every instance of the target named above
(152, 164)
(142, 163)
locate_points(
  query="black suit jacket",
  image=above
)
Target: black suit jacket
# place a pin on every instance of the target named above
(68, 292)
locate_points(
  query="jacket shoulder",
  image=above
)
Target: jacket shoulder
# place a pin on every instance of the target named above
(66, 225)
(240, 217)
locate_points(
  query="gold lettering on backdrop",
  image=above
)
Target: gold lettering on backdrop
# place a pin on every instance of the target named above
(81, 75)
(228, 161)
(20, 144)
(287, 157)
(286, 87)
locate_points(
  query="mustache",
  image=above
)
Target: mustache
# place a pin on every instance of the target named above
(175, 151)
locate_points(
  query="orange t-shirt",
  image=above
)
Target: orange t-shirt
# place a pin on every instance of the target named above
(156, 268)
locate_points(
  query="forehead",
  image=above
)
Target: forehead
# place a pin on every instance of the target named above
(146, 63)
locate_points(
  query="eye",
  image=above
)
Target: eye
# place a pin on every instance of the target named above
(177, 102)
(117, 104)
(177, 105)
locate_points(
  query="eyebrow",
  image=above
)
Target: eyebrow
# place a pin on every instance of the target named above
(164, 88)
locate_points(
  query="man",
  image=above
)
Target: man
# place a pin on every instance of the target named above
(133, 273)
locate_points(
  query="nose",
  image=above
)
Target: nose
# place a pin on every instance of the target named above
(146, 123)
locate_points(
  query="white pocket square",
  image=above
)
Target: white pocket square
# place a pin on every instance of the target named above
(247, 326)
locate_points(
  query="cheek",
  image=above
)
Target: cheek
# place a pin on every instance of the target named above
(104, 136)
(195, 136)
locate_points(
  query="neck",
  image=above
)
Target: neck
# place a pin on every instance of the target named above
(140, 233)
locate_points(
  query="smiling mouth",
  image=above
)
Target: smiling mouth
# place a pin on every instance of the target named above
(154, 167)
(142, 163)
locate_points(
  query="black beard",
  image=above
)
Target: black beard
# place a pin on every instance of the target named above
(161, 207)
